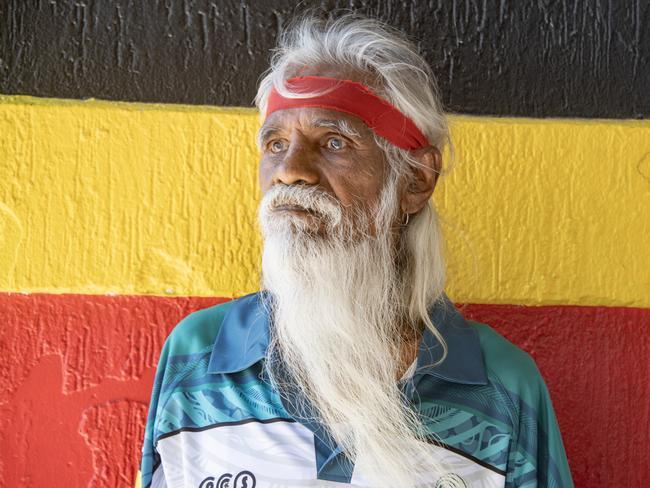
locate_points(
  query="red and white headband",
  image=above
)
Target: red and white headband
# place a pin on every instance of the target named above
(355, 99)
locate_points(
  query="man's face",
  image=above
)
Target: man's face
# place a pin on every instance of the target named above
(331, 151)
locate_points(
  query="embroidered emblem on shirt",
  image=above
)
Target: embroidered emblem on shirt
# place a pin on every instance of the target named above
(243, 479)
(451, 480)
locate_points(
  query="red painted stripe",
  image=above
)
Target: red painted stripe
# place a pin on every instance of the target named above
(79, 368)
(76, 378)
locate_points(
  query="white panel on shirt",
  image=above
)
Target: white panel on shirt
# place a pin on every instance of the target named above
(158, 478)
(276, 455)
(462, 472)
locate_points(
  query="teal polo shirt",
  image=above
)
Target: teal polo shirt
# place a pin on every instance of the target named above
(215, 421)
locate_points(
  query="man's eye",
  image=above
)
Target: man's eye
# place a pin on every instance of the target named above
(335, 143)
(277, 145)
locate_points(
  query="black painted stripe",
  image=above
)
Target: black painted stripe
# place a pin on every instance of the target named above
(584, 58)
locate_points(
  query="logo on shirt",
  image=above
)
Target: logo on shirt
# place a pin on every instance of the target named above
(451, 480)
(243, 479)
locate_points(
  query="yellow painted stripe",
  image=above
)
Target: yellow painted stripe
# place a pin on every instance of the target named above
(104, 197)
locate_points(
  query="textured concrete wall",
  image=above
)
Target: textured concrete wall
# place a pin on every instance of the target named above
(77, 373)
(76, 380)
(102, 198)
(125, 200)
(584, 58)
(117, 219)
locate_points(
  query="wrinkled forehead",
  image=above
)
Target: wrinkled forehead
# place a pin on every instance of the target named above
(312, 118)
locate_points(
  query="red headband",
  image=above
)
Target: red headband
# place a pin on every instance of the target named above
(355, 99)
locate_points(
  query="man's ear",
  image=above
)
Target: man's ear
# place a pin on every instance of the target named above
(423, 181)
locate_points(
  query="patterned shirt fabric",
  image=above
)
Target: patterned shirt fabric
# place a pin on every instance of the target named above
(215, 421)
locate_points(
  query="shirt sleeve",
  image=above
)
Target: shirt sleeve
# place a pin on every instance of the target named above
(151, 473)
(537, 458)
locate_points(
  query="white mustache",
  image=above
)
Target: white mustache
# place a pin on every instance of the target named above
(311, 199)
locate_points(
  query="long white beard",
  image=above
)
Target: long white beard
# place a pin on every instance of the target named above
(339, 305)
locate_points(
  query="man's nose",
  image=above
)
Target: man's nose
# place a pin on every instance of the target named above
(298, 166)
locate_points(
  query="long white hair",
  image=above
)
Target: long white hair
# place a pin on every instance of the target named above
(302, 271)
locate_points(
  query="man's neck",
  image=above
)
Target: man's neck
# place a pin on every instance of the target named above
(409, 349)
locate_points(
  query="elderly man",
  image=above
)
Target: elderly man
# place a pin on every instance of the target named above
(350, 366)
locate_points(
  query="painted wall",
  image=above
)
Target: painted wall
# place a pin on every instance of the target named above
(118, 219)
(584, 58)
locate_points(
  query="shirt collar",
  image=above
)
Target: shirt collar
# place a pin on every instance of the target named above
(243, 340)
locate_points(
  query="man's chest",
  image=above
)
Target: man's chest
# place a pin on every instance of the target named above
(278, 453)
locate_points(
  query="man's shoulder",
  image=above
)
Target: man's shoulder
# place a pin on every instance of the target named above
(536, 448)
(509, 365)
(198, 330)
